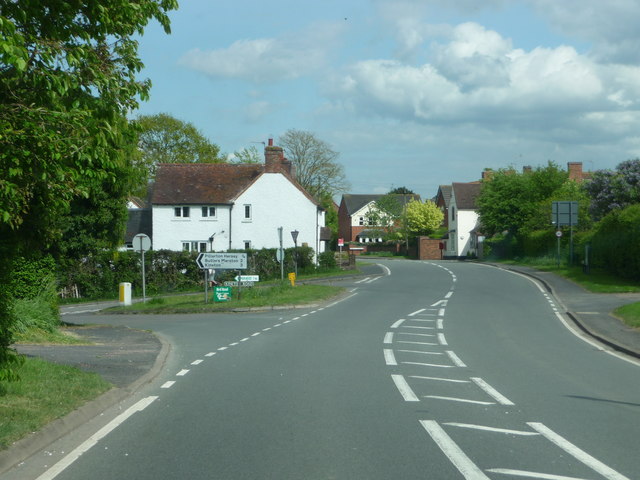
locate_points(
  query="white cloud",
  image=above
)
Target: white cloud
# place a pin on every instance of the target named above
(610, 26)
(268, 59)
(478, 77)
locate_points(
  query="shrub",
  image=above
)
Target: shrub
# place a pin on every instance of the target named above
(327, 260)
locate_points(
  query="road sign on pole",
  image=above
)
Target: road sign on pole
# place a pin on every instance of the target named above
(231, 261)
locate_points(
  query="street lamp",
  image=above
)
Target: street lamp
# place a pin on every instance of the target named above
(294, 235)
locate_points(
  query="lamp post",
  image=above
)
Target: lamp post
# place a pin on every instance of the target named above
(294, 235)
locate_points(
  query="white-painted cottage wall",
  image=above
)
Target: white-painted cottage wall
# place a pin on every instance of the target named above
(467, 221)
(169, 231)
(275, 202)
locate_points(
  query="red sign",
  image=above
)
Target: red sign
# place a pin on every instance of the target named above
(341, 242)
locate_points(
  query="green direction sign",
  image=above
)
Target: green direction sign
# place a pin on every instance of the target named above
(221, 294)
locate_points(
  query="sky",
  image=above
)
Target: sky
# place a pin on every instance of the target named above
(413, 93)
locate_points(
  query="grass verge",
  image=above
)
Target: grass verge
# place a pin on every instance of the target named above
(276, 295)
(45, 392)
(629, 314)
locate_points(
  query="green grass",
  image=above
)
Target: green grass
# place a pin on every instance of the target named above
(45, 392)
(630, 314)
(276, 295)
(59, 336)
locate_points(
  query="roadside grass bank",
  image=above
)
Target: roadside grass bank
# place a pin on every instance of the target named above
(281, 294)
(45, 392)
(596, 281)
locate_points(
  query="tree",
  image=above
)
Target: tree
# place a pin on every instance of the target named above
(402, 191)
(67, 82)
(508, 200)
(614, 190)
(422, 218)
(247, 155)
(165, 139)
(315, 163)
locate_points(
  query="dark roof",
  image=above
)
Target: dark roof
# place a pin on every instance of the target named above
(354, 202)
(139, 221)
(445, 191)
(466, 194)
(202, 183)
(208, 183)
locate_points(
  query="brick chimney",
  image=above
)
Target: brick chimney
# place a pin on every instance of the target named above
(274, 160)
(575, 171)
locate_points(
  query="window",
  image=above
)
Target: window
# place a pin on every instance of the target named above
(361, 221)
(181, 212)
(202, 246)
(247, 212)
(208, 212)
(247, 244)
(453, 213)
(186, 246)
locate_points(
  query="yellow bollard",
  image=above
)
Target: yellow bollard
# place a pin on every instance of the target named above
(292, 279)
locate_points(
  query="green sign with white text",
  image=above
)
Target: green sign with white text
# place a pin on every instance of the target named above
(221, 294)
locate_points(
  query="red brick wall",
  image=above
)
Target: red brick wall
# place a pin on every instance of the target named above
(429, 248)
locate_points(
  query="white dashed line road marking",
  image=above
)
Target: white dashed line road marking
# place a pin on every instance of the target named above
(492, 392)
(465, 466)
(182, 373)
(223, 348)
(404, 389)
(524, 473)
(210, 354)
(442, 340)
(389, 357)
(255, 334)
(398, 323)
(455, 359)
(196, 362)
(168, 384)
(388, 338)
(576, 452)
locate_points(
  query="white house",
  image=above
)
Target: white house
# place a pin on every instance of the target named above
(218, 207)
(463, 220)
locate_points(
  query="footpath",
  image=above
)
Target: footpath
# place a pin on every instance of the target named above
(130, 358)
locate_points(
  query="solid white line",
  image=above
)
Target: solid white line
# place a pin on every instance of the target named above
(455, 359)
(419, 343)
(197, 362)
(440, 379)
(418, 328)
(210, 354)
(374, 279)
(95, 438)
(404, 388)
(168, 384)
(388, 337)
(423, 353)
(182, 373)
(576, 452)
(441, 339)
(463, 400)
(465, 466)
(428, 364)
(389, 357)
(522, 473)
(492, 429)
(416, 312)
(397, 323)
(492, 392)
(385, 268)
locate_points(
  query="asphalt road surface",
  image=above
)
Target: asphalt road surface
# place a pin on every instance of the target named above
(433, 370)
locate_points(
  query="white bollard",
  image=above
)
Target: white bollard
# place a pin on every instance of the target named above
(125, 294)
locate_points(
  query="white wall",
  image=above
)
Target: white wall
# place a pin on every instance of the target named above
(467, 222)
(275, 202)
(170, 231)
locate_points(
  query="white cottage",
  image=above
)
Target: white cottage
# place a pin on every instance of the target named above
(463, 220)
(217, 207)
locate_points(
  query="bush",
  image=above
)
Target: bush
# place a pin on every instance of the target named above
(327, 260)
(616, 243)
(35, 312)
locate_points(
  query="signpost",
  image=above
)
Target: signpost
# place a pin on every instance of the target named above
(221, 294)
(247, 278)
(142, 243)
(221, 261)
(565, 214)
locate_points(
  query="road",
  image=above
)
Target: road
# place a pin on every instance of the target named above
(436, 370)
